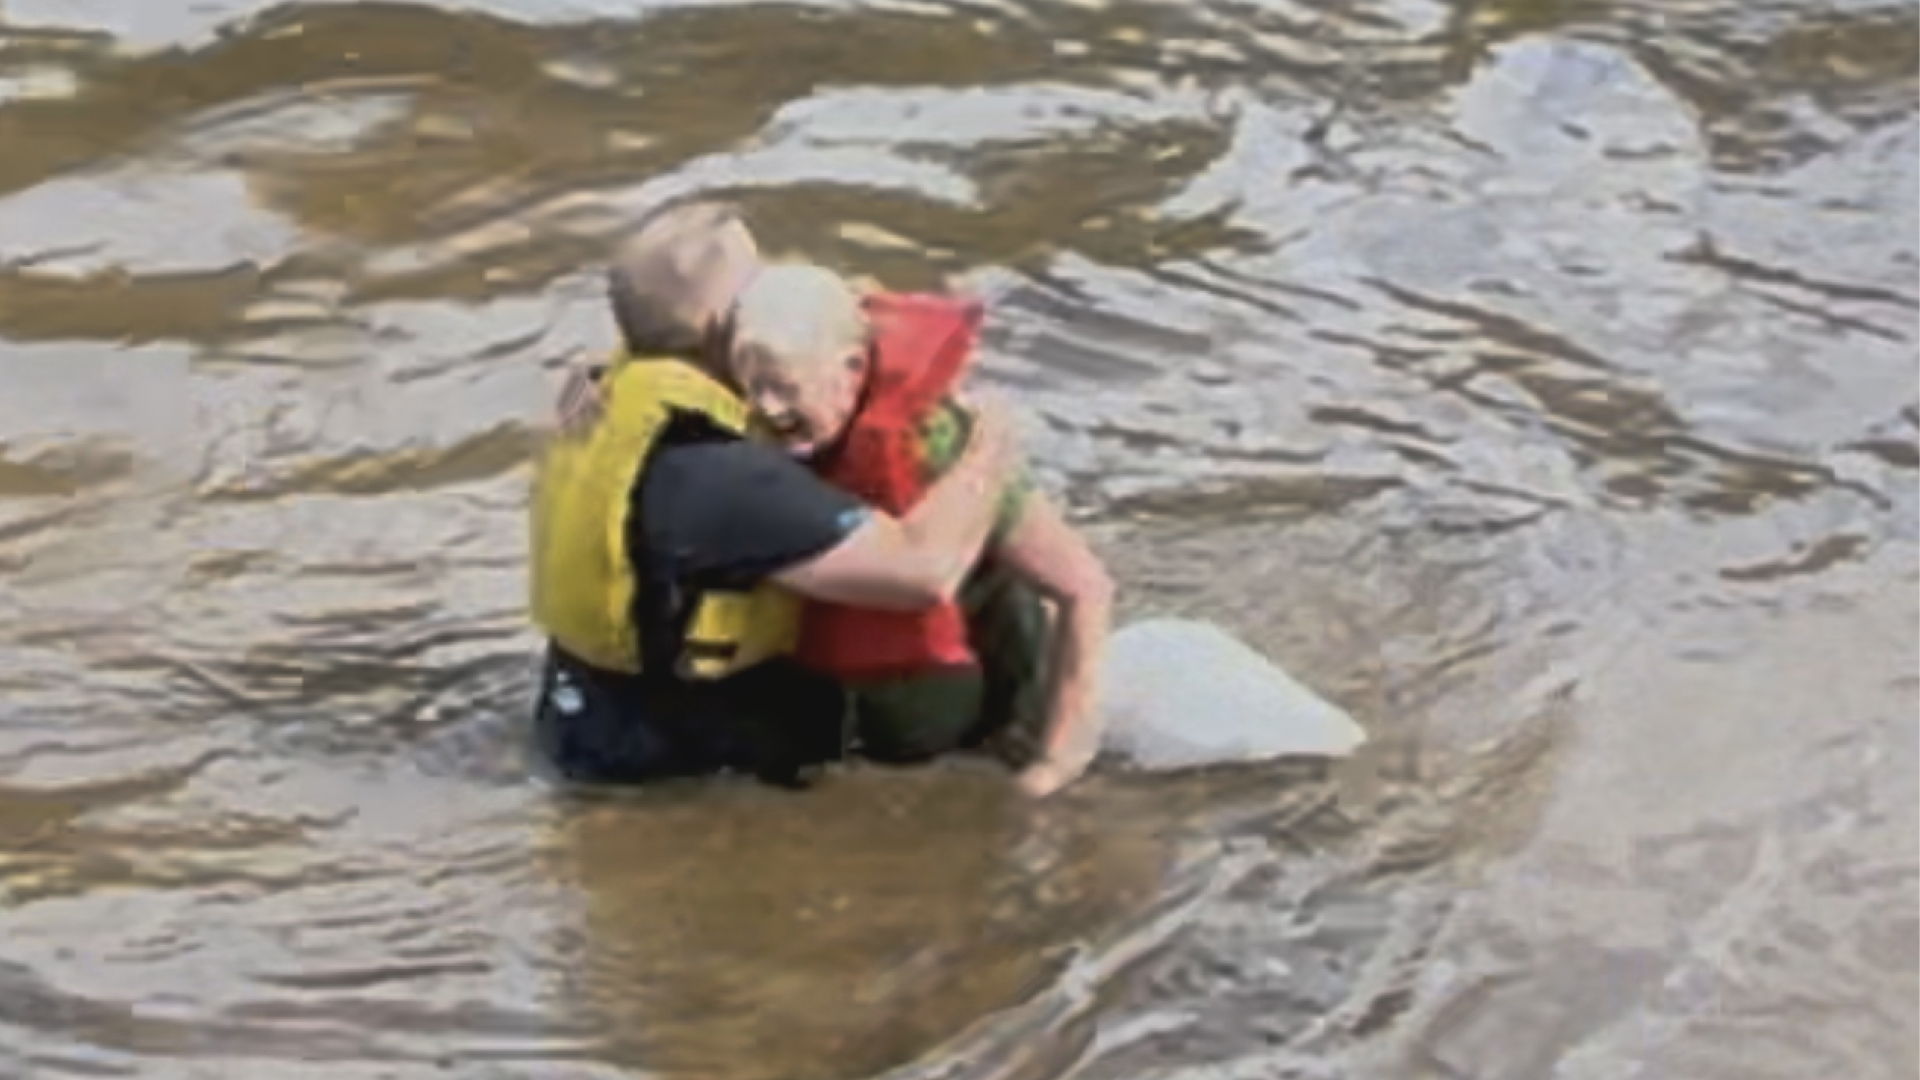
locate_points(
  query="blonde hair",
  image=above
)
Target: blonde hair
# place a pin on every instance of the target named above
(799, 314)
(664, 278)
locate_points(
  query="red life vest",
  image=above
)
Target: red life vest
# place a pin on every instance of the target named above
(921, 344)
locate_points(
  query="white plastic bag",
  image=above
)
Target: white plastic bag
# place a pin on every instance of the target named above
(1176, 692)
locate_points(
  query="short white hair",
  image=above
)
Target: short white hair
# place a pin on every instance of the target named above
(797, 313)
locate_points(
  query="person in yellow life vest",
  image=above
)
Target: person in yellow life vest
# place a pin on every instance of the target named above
(861, 387)
(671, 549)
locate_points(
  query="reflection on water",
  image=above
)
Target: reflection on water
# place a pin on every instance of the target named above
(887, 917)
(1535, 379)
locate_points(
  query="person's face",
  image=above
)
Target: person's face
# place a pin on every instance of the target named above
(805, 405)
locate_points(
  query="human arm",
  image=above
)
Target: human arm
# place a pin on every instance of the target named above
(1043, 548)
(944, 434)
(919, 559)
(734, 512)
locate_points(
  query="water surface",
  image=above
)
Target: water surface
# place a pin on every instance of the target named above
(1535, 379)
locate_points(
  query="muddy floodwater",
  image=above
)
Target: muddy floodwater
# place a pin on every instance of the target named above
(1535, 378)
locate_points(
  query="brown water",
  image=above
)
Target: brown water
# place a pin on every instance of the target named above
(1537, 379)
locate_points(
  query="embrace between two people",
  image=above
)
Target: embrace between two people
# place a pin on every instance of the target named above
(771, 530)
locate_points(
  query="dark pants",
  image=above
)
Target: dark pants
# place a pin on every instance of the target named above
(778, 720)
(1002, 701)
(774, 721)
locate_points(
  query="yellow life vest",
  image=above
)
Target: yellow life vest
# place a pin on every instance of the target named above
(583, 581)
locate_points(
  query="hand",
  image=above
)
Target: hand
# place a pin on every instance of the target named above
(1050, 774)
(580, 402)
(995, 431)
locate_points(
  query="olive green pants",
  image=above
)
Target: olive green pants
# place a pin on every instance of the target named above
(1001, 703)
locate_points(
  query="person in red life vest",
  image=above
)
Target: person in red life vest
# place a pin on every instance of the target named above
(864, 389)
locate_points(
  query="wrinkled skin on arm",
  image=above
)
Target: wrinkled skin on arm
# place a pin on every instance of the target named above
(1043, 548)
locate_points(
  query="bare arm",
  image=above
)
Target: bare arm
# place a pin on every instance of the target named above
(917, 560)
(1048, 551)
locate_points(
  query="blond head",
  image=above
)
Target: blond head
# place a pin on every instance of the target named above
(799, 352)
(795, 315)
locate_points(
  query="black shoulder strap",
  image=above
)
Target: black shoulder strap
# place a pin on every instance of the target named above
(663, 603)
